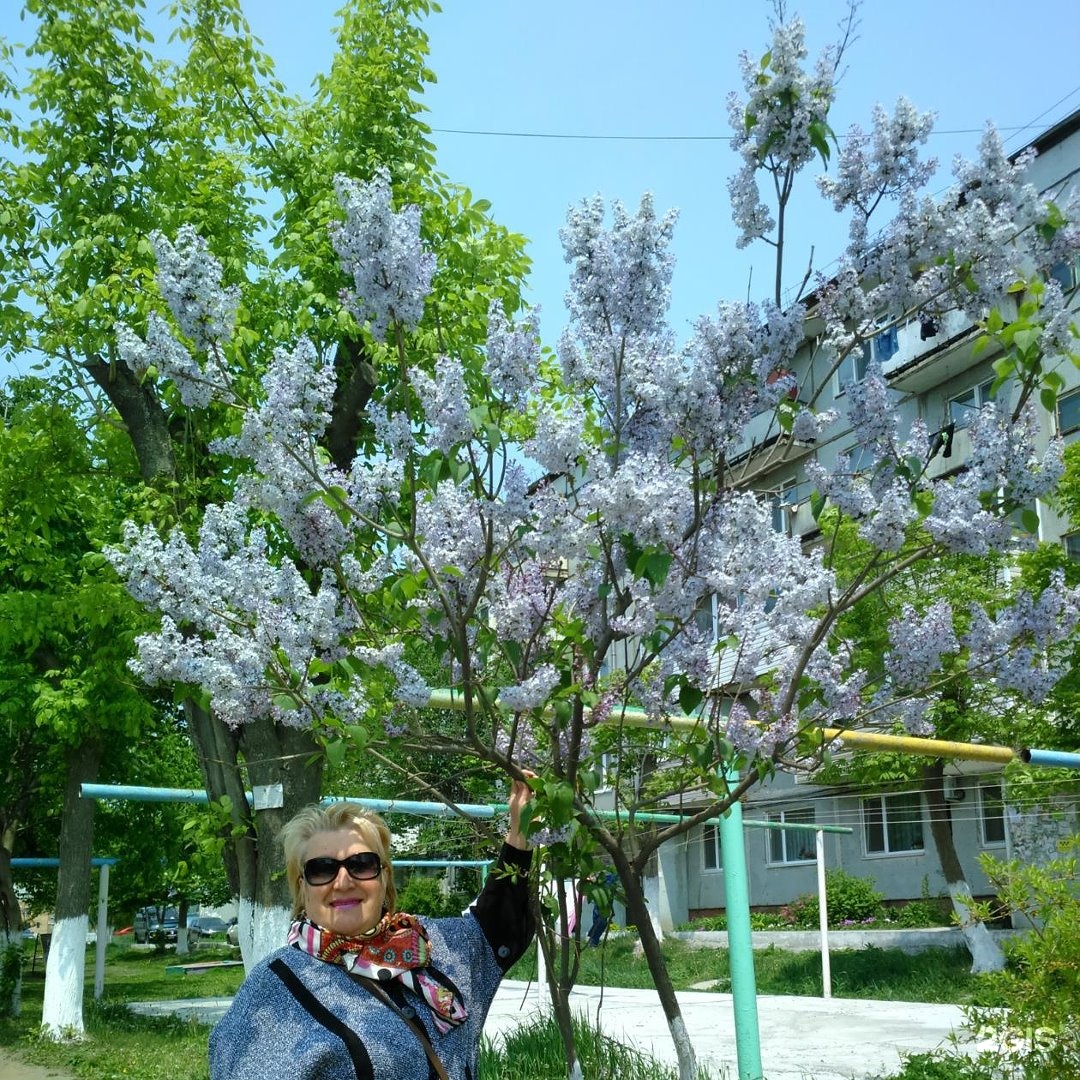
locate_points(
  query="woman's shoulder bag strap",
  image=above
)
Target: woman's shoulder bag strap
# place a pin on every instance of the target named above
(410, 1018)
(357, 1052)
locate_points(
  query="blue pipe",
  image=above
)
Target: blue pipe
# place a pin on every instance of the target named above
(95, 861)
(1055, 759)
(441, 862)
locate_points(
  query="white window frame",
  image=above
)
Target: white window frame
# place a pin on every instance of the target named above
(984, 791)
(964, 412)
(862, 459)
(791, 841)
(782, 501)
(853, 368)
(710, 843)
(1073, 396)
(883, 801)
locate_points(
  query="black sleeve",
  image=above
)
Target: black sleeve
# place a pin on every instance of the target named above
(502, 909)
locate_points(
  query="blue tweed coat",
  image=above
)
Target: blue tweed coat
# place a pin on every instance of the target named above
(299, 1018)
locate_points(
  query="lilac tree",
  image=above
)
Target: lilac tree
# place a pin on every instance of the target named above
(555, 529)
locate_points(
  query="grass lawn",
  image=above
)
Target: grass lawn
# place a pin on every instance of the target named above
(934, 976)
(120, 1044)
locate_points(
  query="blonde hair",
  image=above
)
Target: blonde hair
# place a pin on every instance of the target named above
(297, 833)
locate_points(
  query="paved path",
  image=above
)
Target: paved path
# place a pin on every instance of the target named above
(801, 1038)
(13, 1068)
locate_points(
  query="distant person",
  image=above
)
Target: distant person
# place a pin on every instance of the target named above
(363, 990)
(602, 912)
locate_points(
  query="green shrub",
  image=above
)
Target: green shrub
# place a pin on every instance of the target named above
(917, 913)
(424, 896)
(941, 1065)
(850, 899)
(1040, 1031)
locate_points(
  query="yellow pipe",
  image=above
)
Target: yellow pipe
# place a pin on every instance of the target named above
(862, 740)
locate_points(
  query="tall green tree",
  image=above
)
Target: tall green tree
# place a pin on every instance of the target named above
(66, 631)
(118, 143)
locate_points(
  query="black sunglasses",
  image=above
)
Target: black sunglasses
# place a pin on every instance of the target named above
(363, 866)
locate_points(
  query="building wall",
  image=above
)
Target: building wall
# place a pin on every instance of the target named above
(901, 876)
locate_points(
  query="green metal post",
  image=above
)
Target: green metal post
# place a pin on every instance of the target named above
(740, 945)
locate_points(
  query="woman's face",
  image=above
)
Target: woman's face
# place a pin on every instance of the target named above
(344, 905)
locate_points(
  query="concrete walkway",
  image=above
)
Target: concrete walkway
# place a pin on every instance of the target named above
(13, 1068)
(801, 1038)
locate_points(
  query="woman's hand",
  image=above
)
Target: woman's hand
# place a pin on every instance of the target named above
(520, 794)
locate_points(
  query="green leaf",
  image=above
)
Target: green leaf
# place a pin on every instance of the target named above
(1030, 520)
(1048, 397)
(335, 752)
(690, 697)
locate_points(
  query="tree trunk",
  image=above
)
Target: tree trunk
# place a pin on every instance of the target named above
(61, 1014)
(986, 954)
(637, 913)
(560, 996)
(10, 938)
(285, 767)
(182, 943)
(141, 411)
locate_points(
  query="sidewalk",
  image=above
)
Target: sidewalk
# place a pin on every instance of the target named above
(12, 1068)
(801, 1038)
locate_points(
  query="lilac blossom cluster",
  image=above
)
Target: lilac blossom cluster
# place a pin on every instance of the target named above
(382, 251)
(189, 278)
(782, 122)
(244, 626)
(1019, 645)
(162, 353)
(919, 643)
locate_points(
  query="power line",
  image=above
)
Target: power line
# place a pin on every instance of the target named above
(581, 137)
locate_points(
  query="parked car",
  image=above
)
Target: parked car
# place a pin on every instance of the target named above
(206, 926)
(232, 933)
(152, 926)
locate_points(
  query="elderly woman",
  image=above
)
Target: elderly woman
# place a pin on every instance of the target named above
(363, 990)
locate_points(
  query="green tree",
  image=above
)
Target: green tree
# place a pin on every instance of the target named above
(66, 629)
(964, 707)
(118, 144)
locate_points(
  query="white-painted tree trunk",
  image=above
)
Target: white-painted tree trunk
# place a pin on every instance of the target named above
(986, 954)
(651, 887)
(65, 970)
(13, 1005)
(261, 930)
(684, 1048)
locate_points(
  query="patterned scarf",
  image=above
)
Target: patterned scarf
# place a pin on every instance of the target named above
(397, 944)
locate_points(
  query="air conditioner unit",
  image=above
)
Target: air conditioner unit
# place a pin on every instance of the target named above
(953, 790)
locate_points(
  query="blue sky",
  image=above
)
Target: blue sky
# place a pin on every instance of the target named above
(638, 68)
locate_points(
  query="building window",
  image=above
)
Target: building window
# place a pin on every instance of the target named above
(853, 367)
(794, 846)
(1071, 542)
(784, 504)
(862, 458)
(1065, 274)
(892, 824)
(1068, 412)
(991, 814)
(705, 616)
(965, 407)
(710, 847)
